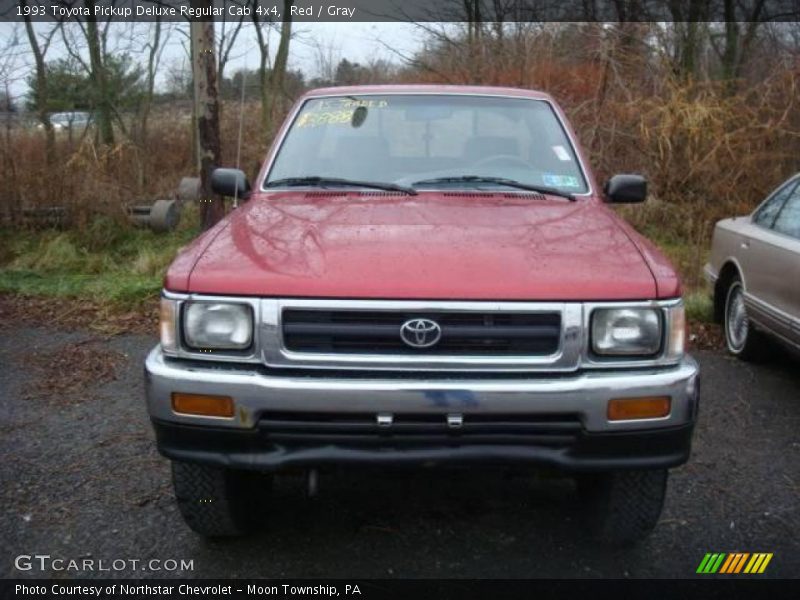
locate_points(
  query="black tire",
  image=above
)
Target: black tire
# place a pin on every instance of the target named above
(623, 507)
(217, 502)
(741, 338)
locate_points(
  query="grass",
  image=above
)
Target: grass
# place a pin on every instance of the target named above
(699, 306)
(109, 261)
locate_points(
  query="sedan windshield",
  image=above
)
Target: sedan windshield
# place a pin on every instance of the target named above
(430, 142)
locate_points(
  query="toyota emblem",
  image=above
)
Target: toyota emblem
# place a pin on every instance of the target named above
(420, 333)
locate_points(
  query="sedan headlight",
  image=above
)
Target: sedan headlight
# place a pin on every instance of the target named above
(217, 325)
(626, 331)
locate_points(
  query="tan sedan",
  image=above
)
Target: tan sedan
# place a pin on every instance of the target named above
(755, 271)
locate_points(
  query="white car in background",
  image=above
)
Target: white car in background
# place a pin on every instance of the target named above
(755, 272)
(63, 121)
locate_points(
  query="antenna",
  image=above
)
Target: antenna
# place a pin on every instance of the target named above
(239, 140)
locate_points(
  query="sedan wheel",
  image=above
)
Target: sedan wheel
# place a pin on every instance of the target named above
(740, 336)
(737, 324)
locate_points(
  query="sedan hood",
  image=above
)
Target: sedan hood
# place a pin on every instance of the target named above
(456, 246)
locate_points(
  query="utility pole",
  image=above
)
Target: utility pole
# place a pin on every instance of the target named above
(206, 105)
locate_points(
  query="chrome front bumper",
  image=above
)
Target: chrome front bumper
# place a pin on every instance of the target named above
(256, 391)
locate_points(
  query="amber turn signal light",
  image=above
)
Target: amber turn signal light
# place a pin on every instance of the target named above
(624, 409)
(203, 405)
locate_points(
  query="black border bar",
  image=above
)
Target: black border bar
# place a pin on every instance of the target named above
(730, 588)
(405, 10)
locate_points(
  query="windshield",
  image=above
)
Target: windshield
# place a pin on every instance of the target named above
(414, 139)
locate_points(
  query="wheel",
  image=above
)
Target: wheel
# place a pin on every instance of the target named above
(218, 502)
(623, 507)
(189, 189)
(742, 340)
(164, 216)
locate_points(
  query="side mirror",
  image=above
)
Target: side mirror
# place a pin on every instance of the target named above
(626, 189)
(230, 182)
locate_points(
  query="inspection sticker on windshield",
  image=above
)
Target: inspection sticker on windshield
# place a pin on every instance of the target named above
(337, 111)
(562, 153)
(560, 181)
(331, 117)
(335, 104)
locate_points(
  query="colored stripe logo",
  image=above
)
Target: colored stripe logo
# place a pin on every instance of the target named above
(734, 563)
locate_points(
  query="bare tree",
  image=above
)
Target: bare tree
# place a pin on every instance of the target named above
(274, 94)
(94, 39)
(271, 77)
(226, 42)
(97, 71)
(39, 50)
(738, 38)
(690, 34)
(154, 44)
(326, 58)
(262, 37)
(154, 49)
(206, 100)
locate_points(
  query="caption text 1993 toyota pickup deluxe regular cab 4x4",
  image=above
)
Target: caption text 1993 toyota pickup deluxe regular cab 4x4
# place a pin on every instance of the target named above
(422, 276)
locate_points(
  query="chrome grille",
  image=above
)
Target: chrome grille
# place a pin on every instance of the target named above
(462, 333)
(477, 336)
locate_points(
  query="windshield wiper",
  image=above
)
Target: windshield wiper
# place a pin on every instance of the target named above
(323, 181)
(500, 181)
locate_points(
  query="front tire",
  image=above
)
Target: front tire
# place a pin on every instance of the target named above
(218, 502)
(623, 507)
(741, 339)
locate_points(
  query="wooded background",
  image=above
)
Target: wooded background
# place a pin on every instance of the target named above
(707, 111)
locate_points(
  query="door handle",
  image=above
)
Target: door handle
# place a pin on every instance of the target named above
(745, 244)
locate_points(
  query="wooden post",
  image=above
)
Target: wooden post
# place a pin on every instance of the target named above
(206, 103)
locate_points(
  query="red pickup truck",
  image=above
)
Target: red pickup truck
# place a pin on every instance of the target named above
(427, 276)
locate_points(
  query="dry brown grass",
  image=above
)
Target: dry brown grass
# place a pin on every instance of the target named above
(708, 155)
(91, 179)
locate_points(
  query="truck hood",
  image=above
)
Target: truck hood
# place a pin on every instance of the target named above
(464, 246)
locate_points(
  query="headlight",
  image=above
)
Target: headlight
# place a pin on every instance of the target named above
(217, 325)
(626, 331)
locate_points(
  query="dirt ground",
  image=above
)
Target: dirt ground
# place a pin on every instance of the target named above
(80, 478)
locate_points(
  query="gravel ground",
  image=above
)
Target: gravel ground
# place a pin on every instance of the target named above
(80, 477)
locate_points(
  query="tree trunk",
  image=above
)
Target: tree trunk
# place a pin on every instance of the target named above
(739, 38)
(12, 187)
(263, 51)
(40, 93)
(151, 82)
(147, 102)
(278, 73)
(263, 80)
(206, 100)
(99, 80)
(689, 51)
(731, 52)
(689, 27)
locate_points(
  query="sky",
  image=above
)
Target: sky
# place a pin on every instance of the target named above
(355, 41)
